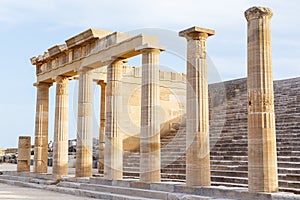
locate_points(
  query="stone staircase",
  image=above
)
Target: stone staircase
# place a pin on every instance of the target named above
(228, 138)
(99, 188)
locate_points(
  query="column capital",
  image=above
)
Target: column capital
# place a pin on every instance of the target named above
(118, 61)
(61, 79)
(149, 48)
(85, 69)
(101, 83)
(43, 84)
(196, 33)
(257, 12)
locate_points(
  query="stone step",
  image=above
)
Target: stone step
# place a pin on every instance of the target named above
(29, 180)
(292, 190)
(74, 191)
(32, 175)
(289, 170)
(238, 180)
(289, 177)
(289, 164)
(238, 185)
(289, 184)
(124, 191)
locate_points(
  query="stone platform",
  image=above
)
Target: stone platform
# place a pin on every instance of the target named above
(16, 192)
(99, 188)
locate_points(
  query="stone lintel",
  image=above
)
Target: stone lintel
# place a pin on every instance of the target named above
(196, 30)
(257, 12)
(86, 36)
(57, 49)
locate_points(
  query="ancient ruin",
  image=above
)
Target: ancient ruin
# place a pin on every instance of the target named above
(209, 136)
(262, 156)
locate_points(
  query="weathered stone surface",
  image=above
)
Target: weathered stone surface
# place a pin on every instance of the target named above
(113, 159)
(60, 144)
(102, 126)
(150, 122)
(228, 113)
(41, 128)
(84, 151)
(197, 109)
(262, 156)
(24, 152)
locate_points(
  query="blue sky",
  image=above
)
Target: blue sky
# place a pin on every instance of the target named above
(29, 28)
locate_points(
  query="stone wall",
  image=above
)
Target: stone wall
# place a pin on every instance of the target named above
(172, 103)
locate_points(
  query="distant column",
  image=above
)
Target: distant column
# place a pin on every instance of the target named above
(60, 144)
(197, 128)
(113, 158)
(150, 160)
(41, 128)
(262, 160)
(24, 153)
(102, 127)
(84, 148)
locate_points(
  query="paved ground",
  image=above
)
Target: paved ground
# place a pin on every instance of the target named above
(8, 167)
(15, 192)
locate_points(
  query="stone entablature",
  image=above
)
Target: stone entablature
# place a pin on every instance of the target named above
(84, 50)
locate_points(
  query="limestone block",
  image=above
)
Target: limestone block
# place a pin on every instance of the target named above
(262, 155)
(41, 128)
(60, 144)
(24, 152)
(197, 129)
(84, 151)
(150, 122)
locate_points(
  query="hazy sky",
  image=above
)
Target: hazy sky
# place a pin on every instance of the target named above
(28, 28)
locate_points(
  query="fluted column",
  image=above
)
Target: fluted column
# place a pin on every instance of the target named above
(41, 128)
(60, 144)
(262, 158)
(84, 151)
(24, 153)
(113, 158)
(150, 163)
(197, 128)
(102, 126)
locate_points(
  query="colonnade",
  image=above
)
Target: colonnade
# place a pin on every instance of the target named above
(261, 121)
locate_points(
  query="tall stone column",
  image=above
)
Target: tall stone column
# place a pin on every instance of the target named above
(197, 116)
(113, 158)
(41, 128)
(262, 160)
(84, 149)
(60, 144)
(102, 127)
(150, 159)
(24, 153)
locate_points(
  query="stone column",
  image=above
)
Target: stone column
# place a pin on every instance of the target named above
(262, 160)
(41, 128)
(102, 127)
(150, 160)
(24, 153)
(113, 158)
(60, 144)
(197, 128)
(84, 149)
